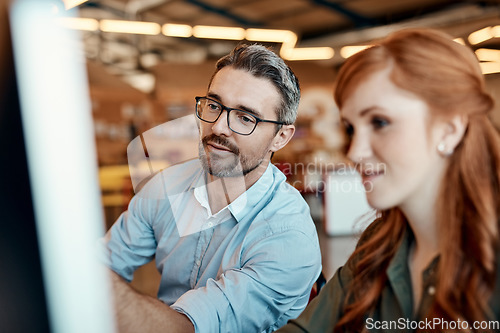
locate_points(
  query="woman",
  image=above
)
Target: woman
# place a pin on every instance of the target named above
(415, 110)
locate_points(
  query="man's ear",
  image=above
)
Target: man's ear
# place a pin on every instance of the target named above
(283, 136)
(453, 132)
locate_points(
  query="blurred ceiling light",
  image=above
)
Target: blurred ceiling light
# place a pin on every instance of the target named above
(286, 37)
(205, 31)
(488, 55)
(495, 31)
(481, 35)
(271, 35)
(307, 53)
(459, 40)
(350, 50)
(130, 27)
(177, 30)
(78, 23)
(68, 4)
(490, 67)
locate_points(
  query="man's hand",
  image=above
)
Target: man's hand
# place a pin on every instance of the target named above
(141, 313)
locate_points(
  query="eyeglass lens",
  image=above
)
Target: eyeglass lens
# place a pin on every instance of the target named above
(238, 121)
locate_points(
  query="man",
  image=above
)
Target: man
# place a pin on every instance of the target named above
(235, 244)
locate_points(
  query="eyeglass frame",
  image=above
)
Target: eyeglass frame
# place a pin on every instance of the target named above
(228, 109)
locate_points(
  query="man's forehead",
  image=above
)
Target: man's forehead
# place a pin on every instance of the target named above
(240, 87)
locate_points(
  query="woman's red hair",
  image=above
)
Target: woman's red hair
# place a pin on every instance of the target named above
(447, 76)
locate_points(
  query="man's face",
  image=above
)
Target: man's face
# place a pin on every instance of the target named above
(224, 153)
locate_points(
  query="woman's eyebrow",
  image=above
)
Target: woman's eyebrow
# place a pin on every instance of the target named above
(362, 113)
(367, 110)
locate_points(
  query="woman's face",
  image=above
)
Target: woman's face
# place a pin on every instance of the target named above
(392, 143)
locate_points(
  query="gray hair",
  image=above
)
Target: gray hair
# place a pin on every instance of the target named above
(264, 63)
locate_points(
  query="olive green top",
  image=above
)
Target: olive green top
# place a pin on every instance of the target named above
(395, 310)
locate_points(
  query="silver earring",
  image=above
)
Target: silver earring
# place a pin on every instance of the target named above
(441, 148)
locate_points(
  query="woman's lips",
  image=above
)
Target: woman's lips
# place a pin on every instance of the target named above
(368, 172)
(369, 176)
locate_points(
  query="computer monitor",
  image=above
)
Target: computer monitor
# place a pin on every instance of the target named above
(50, 210)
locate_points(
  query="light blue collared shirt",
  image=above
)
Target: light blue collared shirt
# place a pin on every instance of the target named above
(248, 268)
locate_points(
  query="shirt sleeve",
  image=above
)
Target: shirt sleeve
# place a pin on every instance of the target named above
(275, 278)
(130, 243)
(324, 311)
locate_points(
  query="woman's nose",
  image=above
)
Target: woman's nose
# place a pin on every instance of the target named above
(359, 148)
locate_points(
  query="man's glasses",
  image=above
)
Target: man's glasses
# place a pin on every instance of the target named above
(239, 121)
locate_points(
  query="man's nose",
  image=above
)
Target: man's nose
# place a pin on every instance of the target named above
(221, 126)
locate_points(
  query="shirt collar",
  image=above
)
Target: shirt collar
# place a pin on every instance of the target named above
(399, 276)
(245, 202)
(401, 256)
(201, 195)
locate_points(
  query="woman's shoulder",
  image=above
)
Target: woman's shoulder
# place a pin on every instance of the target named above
(324, 311)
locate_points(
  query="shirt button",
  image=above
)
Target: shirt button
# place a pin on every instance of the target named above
(431, 290)
(210, 224)
(198, 262)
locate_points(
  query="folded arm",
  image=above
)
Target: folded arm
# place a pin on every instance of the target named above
(271, 287)
(136, 312)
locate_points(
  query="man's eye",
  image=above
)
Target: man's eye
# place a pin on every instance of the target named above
(246, 119)
(213, 107)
